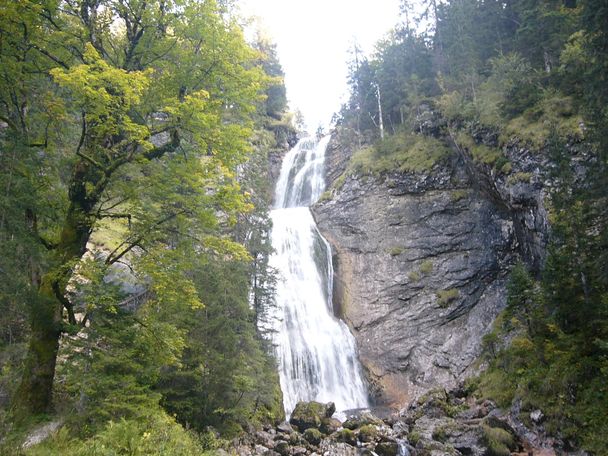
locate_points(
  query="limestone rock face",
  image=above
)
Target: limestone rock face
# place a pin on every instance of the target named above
(421, 264)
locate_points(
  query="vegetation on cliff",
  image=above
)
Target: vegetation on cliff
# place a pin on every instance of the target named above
(532, 73)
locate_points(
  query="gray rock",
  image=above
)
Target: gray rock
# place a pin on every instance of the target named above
(421, 262)
(285, 428)
(537, 416)
(260, 449)
(282, 447)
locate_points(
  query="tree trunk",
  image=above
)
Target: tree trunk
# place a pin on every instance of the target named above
(35, 391)
(47, 323)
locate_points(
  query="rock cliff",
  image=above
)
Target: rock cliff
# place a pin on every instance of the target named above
(422, 259)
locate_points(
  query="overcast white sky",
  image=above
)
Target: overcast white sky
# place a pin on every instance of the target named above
(313, 38)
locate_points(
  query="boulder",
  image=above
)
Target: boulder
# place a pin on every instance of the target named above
(313, 436)
(309, 414)
(346, 436)
(368, 433)
(329, 425)
(282, 447)
(387, 449)
(285, 428)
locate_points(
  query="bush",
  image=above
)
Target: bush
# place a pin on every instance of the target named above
(445, 297)
(498, 441)
(396, 251)
(426, 267)
(480, 152)
(553, 111)
(154, 435)
(404, 152)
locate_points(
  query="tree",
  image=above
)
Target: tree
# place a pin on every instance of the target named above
(161, 103)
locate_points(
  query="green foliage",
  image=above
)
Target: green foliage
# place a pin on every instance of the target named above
(498, 441)
(154, 434)
(520, 177)
(346, 436)
(226, 378)
(446, 297)
(400, 152)
(313, 436)
(413, 438)
(479, 152)
(458, 195)
(396, 251)
(129, 125)
(552, 111)
(426, 267)
(368, 433)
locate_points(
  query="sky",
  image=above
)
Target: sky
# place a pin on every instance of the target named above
(313, 38)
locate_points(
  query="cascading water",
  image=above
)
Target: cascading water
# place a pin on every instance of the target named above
(316, 352)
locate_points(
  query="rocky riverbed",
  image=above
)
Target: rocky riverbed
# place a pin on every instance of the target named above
(439, 423)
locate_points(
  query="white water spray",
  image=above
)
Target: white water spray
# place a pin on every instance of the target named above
(316, 352)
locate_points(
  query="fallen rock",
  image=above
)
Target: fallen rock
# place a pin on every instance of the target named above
(309, 414)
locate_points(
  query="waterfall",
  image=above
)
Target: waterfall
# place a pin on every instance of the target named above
(316, 352)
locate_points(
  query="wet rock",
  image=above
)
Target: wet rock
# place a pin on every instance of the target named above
(264, 438)
(282, 447)
(329, 425)
(387, 449)
(260, 449)
(309, 414)
(361, 419)
(329, 447)
(313, 436)
(347, 436)
(271, 453)
(368, 433)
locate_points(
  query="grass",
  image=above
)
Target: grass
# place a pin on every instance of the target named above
(553, 111)
(458, 195)
(396, 251)
(325, 196)
(405, 152)
(426, 267)
(480, 152)
(445, 297)
(519, 177)
(498, 441)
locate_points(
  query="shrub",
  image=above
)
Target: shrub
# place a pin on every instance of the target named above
(519, 177)
(445, 297)
(414, 276)
(157, 434)
(405, 152)
(395, 251)
(426, 267)
(498, 441)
